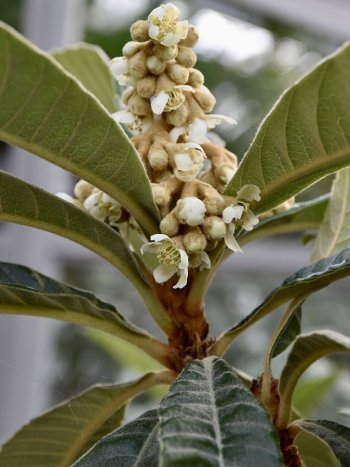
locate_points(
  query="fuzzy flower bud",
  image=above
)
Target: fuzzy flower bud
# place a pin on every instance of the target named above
(205, 99)
(214, 204)
(146, 86)
(196, 78)
(194, 241)
(130, 48)
(139, 106)
(158, 157)
(164, 26)
(214, 228)
(155, 65)
(178, 73)
(179, 116)
(139, 31)
(186, 57)
(165, 53)
(137, 65)
(83, 189)
(191, 211)
(169, 225)
(192, 37)
(160, 194)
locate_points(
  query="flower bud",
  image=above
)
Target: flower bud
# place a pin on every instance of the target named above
(137, 65)
(190, 211)
(160, 195)
(195, 241)
(169, 225)
(83, 189)
(205, 99)
(139, 30)
(165, 53)
(178, 73)
(186, 57)
(214, 228)
(214, 204)
(192, 36)
(146, 86)
(126, 95)
(161, 176)
(179, 116)
(155, 65)
(130, 48)
(196, 78)
(225, 172)
(139, 106)
(195, 260)
(158, 157)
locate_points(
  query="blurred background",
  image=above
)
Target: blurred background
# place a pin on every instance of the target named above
(250, 51)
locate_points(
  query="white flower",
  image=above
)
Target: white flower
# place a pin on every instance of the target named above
(198, 129)
(230, 240)
(132, 122)
(191, 211)
(119, 68)
(164, 26)
(189, 163)
(167, 101)
(232, 212)
(172, 260)
(249, 193)
(103, 207)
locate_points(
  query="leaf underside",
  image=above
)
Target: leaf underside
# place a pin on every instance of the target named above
(58, 437)
(305, 137)
(46, 111)
(133, 445)
(289, 332)
(210, 418)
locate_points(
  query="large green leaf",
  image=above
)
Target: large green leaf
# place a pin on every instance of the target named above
(334, 234)
(210, 418)
(133, 445)
(304, 282)
(315, 452)
(306, 350)
(24, 291)
(26, 204)
(335, 435)
(301, 217)
(305, 137)
(46, 111)
(89, 64)
(60, 436)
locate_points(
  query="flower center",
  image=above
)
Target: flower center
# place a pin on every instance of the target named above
(176, 98)
(168, 254)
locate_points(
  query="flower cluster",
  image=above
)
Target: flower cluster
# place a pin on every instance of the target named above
(167, 110)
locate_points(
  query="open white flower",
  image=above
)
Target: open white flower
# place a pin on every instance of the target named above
(172, 260)
(191, 211)
(164, 25)
(166, 101)
(249, 193)
(120, 70)
(198, 129)
(132, 122)
(189, 163)
(103, 207)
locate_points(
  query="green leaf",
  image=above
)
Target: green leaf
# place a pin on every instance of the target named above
(304, 282)
(305, 137)
(133, 445)
(335, 435)
(60, 436)
(334, 234)
(26, 204)
(290, 331)
(46, 111)
(24, 291)
(300, 217)
(90, 65)
(210, 418)
(310, 392)
(315, 452)
(306, 350)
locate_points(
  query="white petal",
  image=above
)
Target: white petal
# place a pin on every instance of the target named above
(249, 193)
(180, 284)
(216, 139)
(206, 263)
(171, 11)
(215, 119)
(92, 200)
(184, 259)
(123, 117)
(192, 145)
(231, 242)
(182, 29)
(153, 31)
(170, 39)
(163, 272)
(159, 102)
(119, 66)
(183, 162)
(159, 237)
(192, 211)
(176, 132)
(250, 221)
(232, 212)
(197, 131)
(158, 12)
